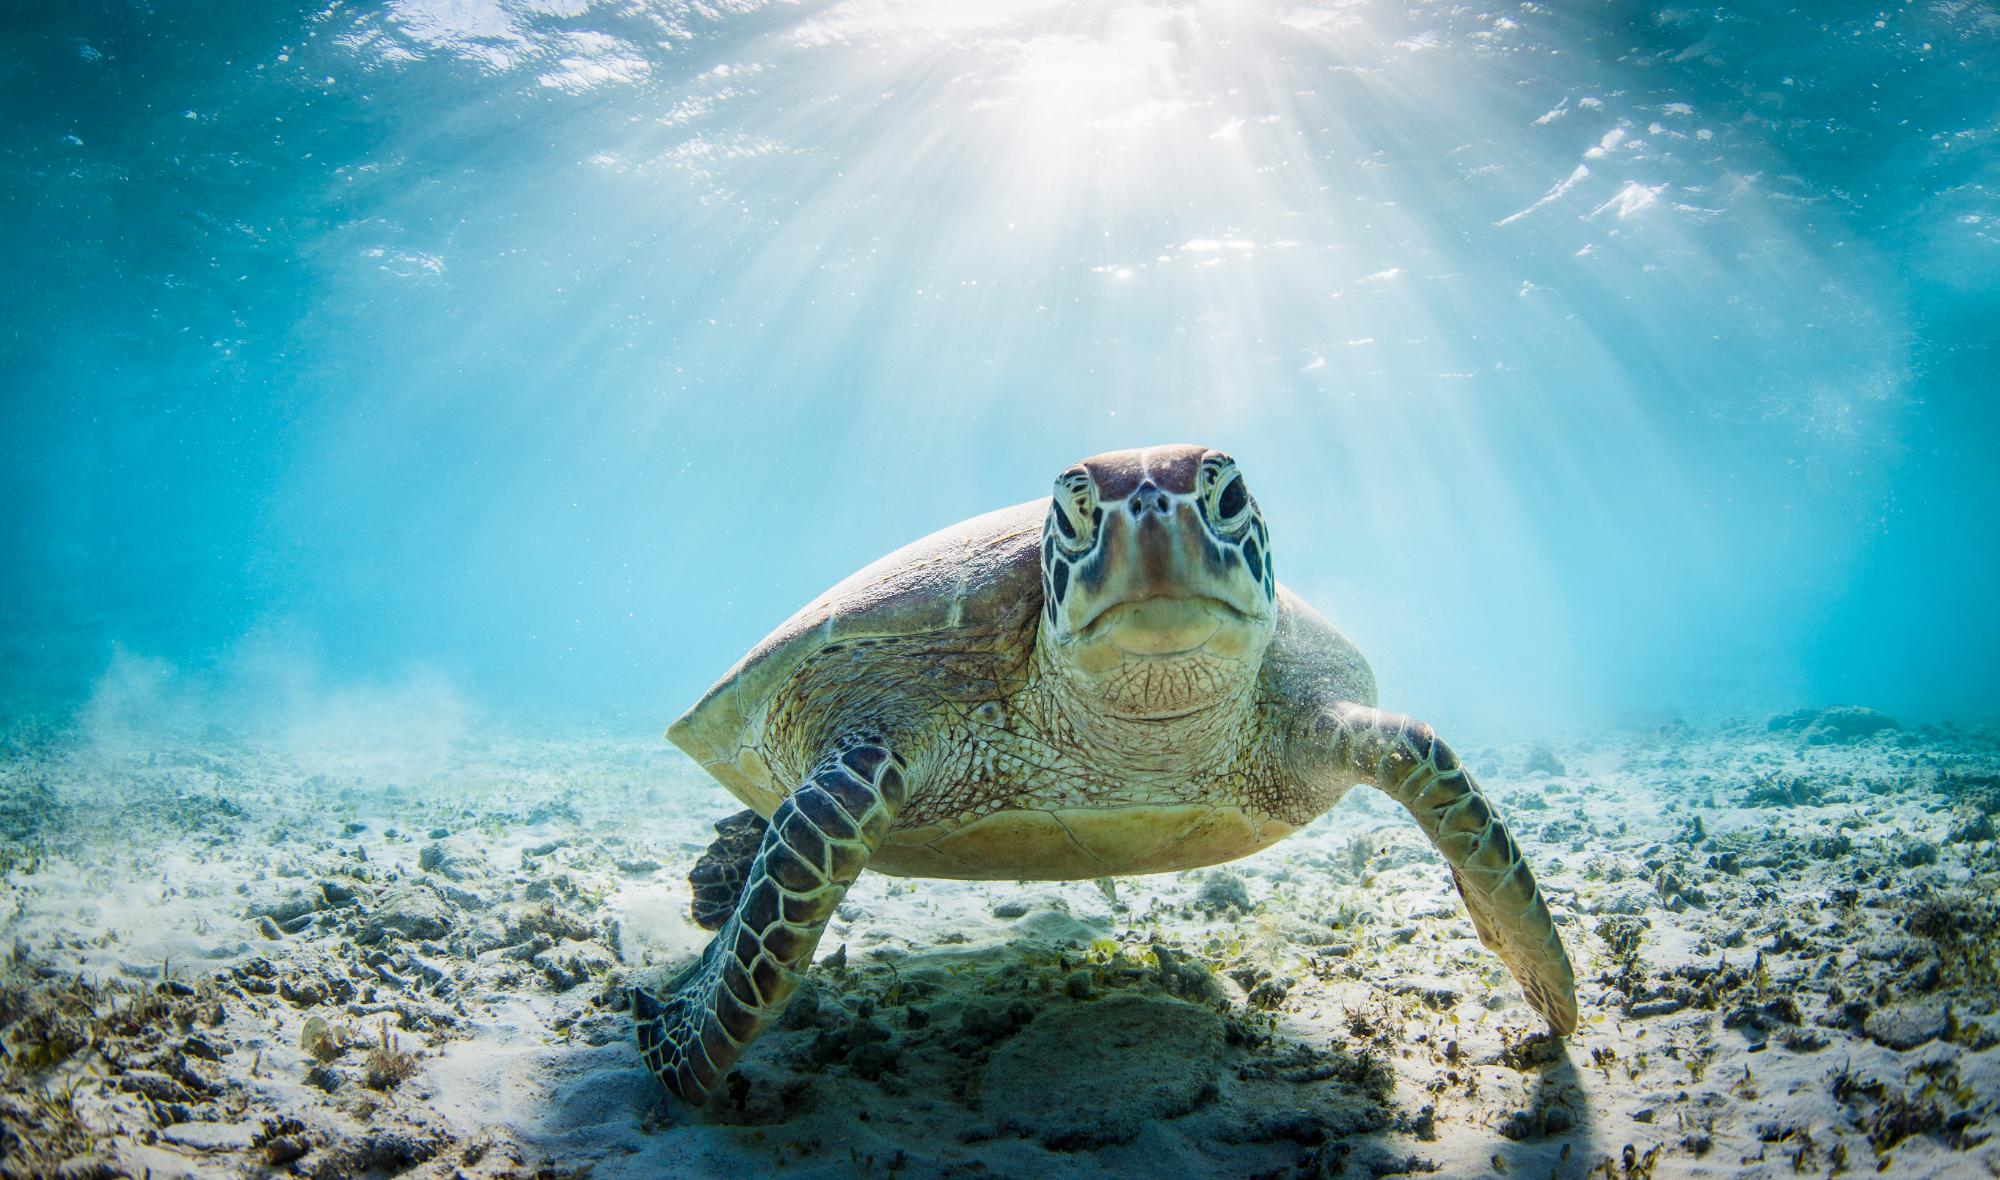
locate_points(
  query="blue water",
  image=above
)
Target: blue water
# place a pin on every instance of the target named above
(535, 358)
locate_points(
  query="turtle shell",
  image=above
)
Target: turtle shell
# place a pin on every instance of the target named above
(959, 581)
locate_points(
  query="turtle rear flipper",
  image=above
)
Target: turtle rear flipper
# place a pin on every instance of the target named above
(719, 875)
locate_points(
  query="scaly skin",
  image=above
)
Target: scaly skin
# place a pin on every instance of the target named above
(719, 876)
(1405, 759)
(813, 850)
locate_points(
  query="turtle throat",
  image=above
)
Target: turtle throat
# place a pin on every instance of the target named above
(1109, 679)
(1150, 716)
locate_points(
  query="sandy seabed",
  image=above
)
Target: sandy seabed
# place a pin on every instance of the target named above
(229, 958)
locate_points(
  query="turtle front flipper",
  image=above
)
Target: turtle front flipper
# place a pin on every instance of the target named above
(813, 849)
(1349, 743)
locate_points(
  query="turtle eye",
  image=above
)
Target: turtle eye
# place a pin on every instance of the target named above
(1074, 512)
(1233, 500)
(1228, 499)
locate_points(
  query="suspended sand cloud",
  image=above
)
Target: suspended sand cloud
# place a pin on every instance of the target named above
(271, 690)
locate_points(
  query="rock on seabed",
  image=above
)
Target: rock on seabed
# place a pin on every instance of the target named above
(1159, 1056)
(1829, 726)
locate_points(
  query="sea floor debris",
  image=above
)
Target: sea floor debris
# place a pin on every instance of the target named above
(226, 959)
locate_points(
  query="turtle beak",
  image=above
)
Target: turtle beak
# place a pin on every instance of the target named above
(1161, 579)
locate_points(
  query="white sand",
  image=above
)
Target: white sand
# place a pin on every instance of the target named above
(1344, 1019)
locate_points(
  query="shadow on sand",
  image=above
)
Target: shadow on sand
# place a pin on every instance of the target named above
(1040, 1057)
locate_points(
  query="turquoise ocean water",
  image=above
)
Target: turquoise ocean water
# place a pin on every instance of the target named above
(530, 359)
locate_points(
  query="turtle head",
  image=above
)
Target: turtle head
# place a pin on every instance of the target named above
(1157, 590)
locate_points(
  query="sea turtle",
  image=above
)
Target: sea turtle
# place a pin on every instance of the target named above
(1101, 682)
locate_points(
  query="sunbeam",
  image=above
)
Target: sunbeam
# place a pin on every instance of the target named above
(1501, 307)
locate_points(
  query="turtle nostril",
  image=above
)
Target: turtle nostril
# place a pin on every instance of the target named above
(1148, 497)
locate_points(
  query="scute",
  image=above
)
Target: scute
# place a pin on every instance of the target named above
(975, 568)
